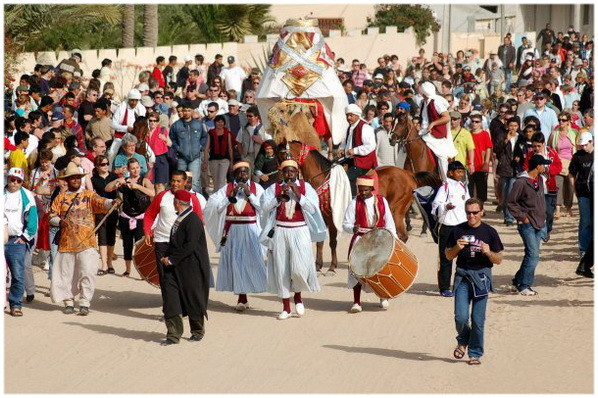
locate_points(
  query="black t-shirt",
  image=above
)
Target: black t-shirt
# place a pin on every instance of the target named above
(99, 184)
(86, 108)
(484, 233)
(581, 168)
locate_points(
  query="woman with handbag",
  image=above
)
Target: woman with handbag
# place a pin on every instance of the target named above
(562, 140)
(159, 142)
(137, 193)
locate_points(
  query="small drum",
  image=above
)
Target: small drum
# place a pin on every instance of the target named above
(384, 263)
(144, 258)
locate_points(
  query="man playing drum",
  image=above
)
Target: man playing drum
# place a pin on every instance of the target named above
(232, 220)
(435, 129)
(292, 218)
(359, 146)
(365, 213)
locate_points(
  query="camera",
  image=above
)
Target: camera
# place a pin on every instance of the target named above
(468, 238)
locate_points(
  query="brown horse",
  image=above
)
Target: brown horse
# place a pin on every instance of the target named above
(395, 184)
(406, 135)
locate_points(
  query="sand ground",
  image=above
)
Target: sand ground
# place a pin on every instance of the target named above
(541, 344)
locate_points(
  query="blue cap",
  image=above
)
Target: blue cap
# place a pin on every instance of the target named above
(57, 116)
(404, 105)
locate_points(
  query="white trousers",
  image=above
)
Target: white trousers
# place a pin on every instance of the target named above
(74, 274)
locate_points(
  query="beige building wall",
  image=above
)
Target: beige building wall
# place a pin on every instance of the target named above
(354, 15)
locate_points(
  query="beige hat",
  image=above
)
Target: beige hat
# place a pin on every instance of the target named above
(365, 181)
(289, 163)
(240, 164)
(147, 101)
(72, 170)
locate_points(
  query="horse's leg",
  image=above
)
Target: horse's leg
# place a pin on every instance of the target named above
(408, 222)
(399, 211)
(333, 242)
(319, 260)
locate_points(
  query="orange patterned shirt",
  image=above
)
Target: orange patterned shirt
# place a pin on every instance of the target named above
(78, 235)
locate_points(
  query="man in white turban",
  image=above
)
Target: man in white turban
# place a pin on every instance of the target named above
(435, 129)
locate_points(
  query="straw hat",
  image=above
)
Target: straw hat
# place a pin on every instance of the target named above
(72, 170)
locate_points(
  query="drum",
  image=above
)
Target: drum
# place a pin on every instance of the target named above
(144, 258)
(384, 263)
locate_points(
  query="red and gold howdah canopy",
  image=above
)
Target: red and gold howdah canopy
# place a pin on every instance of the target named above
(301, 54)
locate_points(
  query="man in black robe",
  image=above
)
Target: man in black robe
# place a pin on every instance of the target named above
(186, 273)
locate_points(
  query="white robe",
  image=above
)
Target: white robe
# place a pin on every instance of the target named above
(241, 268)
(291, 262)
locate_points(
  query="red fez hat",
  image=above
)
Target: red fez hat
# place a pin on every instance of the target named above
(183, 195)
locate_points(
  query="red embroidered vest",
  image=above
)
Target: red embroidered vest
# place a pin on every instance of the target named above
(361, 218)
(281, 209)
(248, 209)
(363, 162)
(438, 131)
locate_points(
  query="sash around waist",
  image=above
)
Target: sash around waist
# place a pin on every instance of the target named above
(290, 224)
(241, 219)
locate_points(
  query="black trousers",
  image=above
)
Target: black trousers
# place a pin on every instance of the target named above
(445, 266)
(129, 236)
(478, 185)
(353, 173)
(174, 327)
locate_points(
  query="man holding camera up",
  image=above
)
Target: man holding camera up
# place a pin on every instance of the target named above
(232, 221)
(292, 221)
(477, 247)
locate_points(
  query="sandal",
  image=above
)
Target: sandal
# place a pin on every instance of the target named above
(475, 361)
(111, 270)
(459, 352)
(102, 272)
(16, 312)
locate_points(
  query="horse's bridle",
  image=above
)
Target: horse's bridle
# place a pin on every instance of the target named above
(403, 142)
(303, 155)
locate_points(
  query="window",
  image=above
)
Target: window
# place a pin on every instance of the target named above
(586, 14)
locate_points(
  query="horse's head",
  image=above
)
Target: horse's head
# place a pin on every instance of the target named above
(287, 150)
(404, 127)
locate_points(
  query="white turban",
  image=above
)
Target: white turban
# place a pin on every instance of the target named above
(134, 94)
(428, 89)
(354, 109)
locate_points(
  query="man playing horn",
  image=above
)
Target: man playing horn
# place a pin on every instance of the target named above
(232, 220)
(359, 146)
(435, 127)
(293, 221)
(366, 212)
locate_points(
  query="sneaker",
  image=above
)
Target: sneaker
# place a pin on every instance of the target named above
(582, 271)
(300, 309)
(30, 298)
(356, 308)
(384, 304)
(283, 315)
(446, 293)
(69, 309)
(167, 343)
(196, 337)
(509, 223)
(528, 292)
(241, 307)
(546, 238)
(84, 311)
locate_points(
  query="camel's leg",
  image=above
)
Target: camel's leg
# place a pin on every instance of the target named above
(333, 243)
(319, 259)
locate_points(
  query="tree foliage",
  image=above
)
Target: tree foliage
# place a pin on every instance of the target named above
(404, 16)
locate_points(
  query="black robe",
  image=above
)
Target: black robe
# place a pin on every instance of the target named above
(186, 283)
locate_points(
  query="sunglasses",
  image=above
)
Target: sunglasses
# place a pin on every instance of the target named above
(453, 119)
(476, 121)
(104, 164)
(209, 111)
(14, 179)
(563, 120)
(153, 121)
(475, 213)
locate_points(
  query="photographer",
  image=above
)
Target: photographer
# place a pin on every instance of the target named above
(477, 247)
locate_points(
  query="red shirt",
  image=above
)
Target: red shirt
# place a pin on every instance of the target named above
(482, 142)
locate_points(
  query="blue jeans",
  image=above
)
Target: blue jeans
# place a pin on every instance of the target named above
(195, 168)
(14, 254)
(550, 207)
(508, 78)
(506, 184)
(53, 250)
(524, 277)
(470, 336)
(586, 215)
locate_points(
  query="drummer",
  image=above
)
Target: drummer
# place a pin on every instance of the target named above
(367, 211)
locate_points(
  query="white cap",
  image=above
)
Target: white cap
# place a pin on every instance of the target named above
(379, 76)
(147, 101)
(134, 94)
(354, 109)
(188, 58)
(143, 87)
(233, 102)
(583, 139)
(17, 172)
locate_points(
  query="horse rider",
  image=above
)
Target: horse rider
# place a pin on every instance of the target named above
(358, 147)
(435, 129)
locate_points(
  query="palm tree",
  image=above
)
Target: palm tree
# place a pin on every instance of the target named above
(150, 25)
(128, 18)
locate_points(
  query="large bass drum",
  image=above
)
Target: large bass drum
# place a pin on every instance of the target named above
(384, 263)
(144, 258)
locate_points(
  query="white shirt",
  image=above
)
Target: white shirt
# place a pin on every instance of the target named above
(13, 210)
(367, 137)
(233, 78)
(203, 107)
(385, 153)
(440, 105)
(456, 193)
(165, 219)
(119, 114)
(349, 220)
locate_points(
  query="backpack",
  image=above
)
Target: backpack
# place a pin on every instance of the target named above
(424, 196)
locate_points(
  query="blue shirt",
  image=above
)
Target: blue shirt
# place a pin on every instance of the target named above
(121, 160)
(548, 119)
